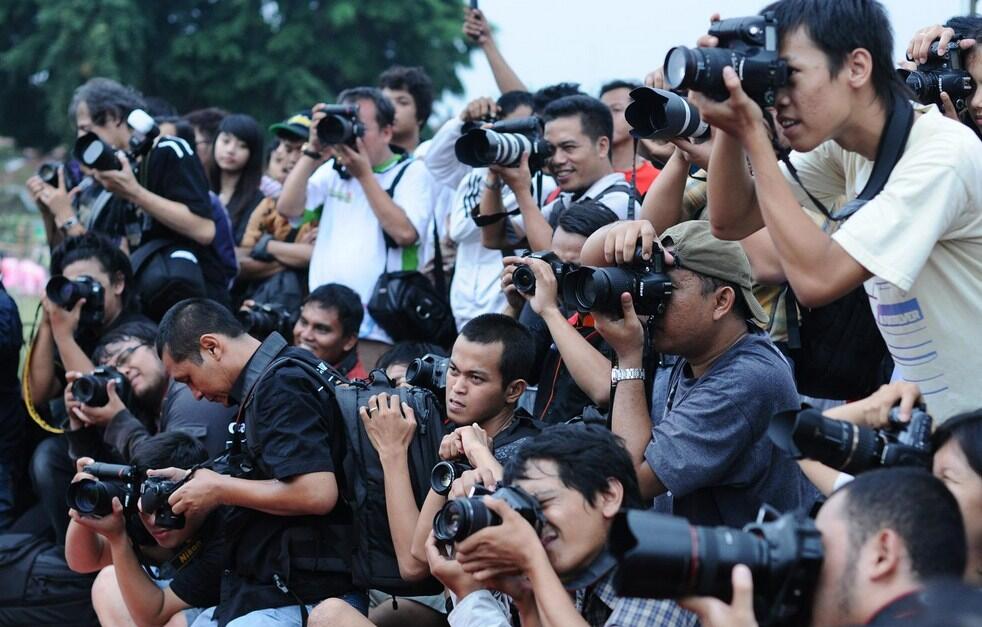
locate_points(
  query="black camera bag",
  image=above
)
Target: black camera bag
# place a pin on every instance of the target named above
(166, 272)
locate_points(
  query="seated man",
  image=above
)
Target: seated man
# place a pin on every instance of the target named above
(123, 593)
(709, 448)
(328, 327)
(580, 476)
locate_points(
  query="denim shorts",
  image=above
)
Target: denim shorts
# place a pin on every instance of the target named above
(287, 616)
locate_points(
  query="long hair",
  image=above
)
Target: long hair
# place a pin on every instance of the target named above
(244, 128)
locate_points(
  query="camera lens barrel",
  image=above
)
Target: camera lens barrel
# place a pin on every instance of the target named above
(91, 390)
(95, 498)
(462, 517)
(660, 114)
(95, 153)
(524, 279)
(444, 474)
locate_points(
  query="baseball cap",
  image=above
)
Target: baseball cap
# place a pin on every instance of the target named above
(695, 249)
(297, 126)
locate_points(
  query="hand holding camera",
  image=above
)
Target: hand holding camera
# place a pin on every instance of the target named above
(121, 182)
(507, 545)
(739, 613)
(625, 334)
(535, 278)
(482, 109)
(476, 26)
(390, 425)
(96, 395)
(517, 177)
(355, 159)
(47, 189)
(919, 47)
(199, 495)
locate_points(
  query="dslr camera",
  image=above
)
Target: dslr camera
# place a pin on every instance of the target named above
(662, 114)
(943, 72)
(851, 448)
(66, 292)
(445, 473)
(91, 151)
(503, 144)
(429, 372)
(748, 45)
(664, 557)
(94, 497)
(260, 320)
(92, 389)
(524, 277)
(154, 493)
(599, 289)
(460, 518)
(341, 126)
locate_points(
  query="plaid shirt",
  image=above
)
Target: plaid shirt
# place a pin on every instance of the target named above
(601, 607)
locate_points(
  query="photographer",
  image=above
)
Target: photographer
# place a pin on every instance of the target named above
(328, 327)
(580, 476)
(287, 535)
(364, 229)
(617, 96)
(885, 535)
(186, 561)
(967, 33)
(709, 448)
(910, 245)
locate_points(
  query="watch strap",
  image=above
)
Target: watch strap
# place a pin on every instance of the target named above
(626, 374)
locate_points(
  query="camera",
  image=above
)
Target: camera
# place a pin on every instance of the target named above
(524, 277)
(145, 131)
(661, 114)
(943, 72)
(260, 320)
(92, 390)
(429, 372)
(664, 557)
(94, 497)
(98, 155)
(341, 126)
(851, 448)
(66, 292)
(445, 473)
(599, 289)
(748, 45)
(460, 518)
(48, 172)
(154, 493)
(503, 144)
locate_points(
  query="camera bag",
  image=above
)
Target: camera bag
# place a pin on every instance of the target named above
(166, 272)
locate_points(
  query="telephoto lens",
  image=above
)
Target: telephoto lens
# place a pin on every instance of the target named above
(461, 518)
(661, 114)
(341, 126)
(95, 153)
(503, 144)
(94, 497)
(92, 389)
(445, 473)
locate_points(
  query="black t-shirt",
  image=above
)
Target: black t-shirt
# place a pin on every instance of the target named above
(241, 220)
(198, 581)
(510, 439)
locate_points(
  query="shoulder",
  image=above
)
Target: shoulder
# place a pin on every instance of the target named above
(943, 142)
(170, 148)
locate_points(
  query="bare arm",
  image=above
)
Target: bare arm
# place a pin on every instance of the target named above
(292, 254)
(314, 493)
(662, 204)
(554, 604)
(493, 235)
(588, 366)
(146, 603)
(293, 197)
(424, 524)
(733, 210)
(175, 216)
(253, 269)
(476, 28)
(403, 515)
(41, 374)
(391, 216)
(85, 550)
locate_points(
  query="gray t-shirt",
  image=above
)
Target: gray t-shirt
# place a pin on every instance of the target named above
(711, 449)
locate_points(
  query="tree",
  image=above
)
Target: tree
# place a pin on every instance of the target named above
(267, 58)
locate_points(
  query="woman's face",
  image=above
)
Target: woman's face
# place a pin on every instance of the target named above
(952, 467)
(231, 153)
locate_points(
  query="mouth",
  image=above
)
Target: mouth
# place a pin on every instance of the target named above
(548, 539)
(787, 123)
(455, 405)
(564, 174)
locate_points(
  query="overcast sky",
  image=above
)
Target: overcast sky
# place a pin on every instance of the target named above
(593, 41)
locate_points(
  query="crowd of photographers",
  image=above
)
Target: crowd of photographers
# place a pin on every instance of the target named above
(696, 351)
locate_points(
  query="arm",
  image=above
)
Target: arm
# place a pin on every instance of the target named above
(147, 603)
(662, 204)
(424, 524)
(554, 606)
(732, 203)
(253, 269)
(175, 216)
(391, 217)
(291, 254)
(293, 198)
(441, 160)
(85, 550)
(43, 383)
(477, 30)
(314, 493)
(493, 236)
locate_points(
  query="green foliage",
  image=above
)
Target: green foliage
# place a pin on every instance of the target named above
(267, 58)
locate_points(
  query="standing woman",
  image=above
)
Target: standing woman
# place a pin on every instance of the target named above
(237, 168)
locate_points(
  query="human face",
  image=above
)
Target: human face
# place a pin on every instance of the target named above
(952, 467)
(406, 125)
(575, 531)
(277, 169)
(114, 131)
(112, 290)
(138, 362)
(814, 107)
(203, 147)
(566, 245)
(172, 538)
(838, 586)
(231, 153)
(289, 149)
(974, 67)
(475, 390)
(376, 139)
(578, 162)
(205, 380)
(617, 100)
(318, 330)
(686, 326)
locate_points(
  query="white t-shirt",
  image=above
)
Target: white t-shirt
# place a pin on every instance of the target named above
(617, 200)
(350, 247)
(921, 238)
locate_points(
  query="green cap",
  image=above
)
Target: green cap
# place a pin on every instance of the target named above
(695, 249)
(296, 126)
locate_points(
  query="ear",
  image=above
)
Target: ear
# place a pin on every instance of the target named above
(514, 390)
(603, 146)
(611, 499)
(350, 342)
(888, 553)
(118, 283)
(211, 345)
(859, 68)
(386, 132)
(725, 298)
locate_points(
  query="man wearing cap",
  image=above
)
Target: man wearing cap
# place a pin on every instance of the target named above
(707, 457)
(290, 134)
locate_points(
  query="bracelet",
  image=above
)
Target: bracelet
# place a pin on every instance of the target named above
(494, 186)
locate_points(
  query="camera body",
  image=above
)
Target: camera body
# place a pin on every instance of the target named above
(460, 518)
(340, 126)
(429, 372)
(94, 497)
(748, 44)
(48, 172)
(262, 319)
(66, 292)
(503, 144)
(524, 277)
(92, 389)
(664, 557)
(154, 493)
(850, 448)
(661, 114)
(943, 72)
(445, 473)
(599, 289)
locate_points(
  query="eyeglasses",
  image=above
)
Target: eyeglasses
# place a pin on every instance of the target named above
(121, 359)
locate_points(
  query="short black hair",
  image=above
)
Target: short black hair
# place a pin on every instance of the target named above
(342, 299)
(594, 115)
(586, 216)
(385, 112)
(143, 331)
(838, 28)
(406, 352)
(919, 508)
(511, 100)
(206, 121)
(171, 449)
(98, 247)
(517, 354)
(966, 430)
(587, 456)
(618, 84)
(104, 97)
(417, 82)
(966, 26)
(185, 322)
(156, 107)
(710, 284)
(182, 128)
(543, 97)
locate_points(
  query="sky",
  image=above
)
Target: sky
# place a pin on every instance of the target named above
(593, 41)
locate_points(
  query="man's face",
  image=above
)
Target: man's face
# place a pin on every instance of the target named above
(575, 531)
(475, 391)
(277, 168)
(617, 100)
(406, 125)
(838, 586)
(687, 323)
(112, 292)
(138, 362)
(952, 467)
(376, 139)
(203, 147)
(578, 161)
(172, 538)
(318, 330)
(205, 380)
(289, 150)
(973, 64)
(566, 245)
(114, 132)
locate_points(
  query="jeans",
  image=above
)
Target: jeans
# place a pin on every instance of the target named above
(288, 616)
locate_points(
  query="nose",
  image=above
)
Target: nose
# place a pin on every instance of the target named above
(458, 386)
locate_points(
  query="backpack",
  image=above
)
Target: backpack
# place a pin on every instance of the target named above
(165, 273)
(38, 588)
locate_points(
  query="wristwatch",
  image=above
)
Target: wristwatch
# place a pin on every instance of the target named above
(625, 374)
(310, 152)
(68, 224)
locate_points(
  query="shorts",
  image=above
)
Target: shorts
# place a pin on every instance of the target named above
(287, 616)
(190, 614)
(436, 602)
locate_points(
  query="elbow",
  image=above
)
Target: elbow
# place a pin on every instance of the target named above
(321, 504)
(405, 236)
(722, 230)
(204, 233)
(414, 570)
